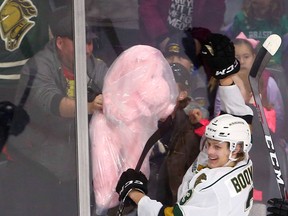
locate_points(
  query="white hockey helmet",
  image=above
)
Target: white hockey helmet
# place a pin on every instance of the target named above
(228, 128)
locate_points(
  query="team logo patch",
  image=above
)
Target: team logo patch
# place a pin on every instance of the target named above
(200, 179)
(15, 21)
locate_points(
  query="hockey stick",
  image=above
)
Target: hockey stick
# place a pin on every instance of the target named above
(149, 144)
(269, 48)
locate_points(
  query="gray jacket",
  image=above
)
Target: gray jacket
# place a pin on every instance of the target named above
(48, 139)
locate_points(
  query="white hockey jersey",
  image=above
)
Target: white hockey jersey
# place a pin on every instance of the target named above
(223, 191)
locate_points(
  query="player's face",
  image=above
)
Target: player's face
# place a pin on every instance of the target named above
(218, 153)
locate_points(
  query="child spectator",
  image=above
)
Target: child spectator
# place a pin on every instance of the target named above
(259, 19)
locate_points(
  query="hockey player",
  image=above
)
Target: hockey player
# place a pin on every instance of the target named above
(220, 181)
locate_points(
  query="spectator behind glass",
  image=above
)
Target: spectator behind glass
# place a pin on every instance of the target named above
(21, 37)
(41, 179)
(182, 141)
(160, 18)
(260, 18)
(176, 56)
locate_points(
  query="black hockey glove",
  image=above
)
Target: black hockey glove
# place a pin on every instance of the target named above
(278, 207)
(218, 53)
(131, 179)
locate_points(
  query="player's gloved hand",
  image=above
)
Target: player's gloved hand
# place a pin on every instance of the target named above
(131, 179)
(218, 52)
(277, 207)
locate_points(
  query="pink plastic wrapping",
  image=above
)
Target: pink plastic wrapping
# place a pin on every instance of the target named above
(139, 89)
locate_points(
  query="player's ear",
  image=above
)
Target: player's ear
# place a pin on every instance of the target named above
(237, 150)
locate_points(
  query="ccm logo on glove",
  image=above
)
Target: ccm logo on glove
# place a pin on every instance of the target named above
(226, 71)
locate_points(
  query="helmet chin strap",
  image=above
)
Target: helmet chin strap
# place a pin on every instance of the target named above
(230, 160)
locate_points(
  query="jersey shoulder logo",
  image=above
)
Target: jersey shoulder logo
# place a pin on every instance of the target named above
(200, 179)
(15, 21)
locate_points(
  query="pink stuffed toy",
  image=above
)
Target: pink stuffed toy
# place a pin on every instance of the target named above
(139, 89)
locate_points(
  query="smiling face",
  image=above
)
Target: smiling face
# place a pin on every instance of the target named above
(218, 153)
